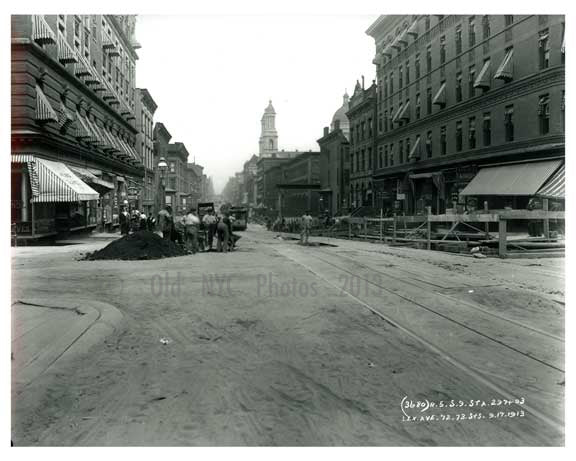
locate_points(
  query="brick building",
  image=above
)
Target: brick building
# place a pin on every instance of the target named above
(362, 117)
(335, 163)
(162, 139)
(144, 111)
(266, 195)
(298, 185)
(458, 93)
(177, 185)
(73, 129)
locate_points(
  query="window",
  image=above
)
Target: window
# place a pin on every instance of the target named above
(172, 167)
(417, 65)
(407, 148)
(472, 133)
(391, 83)
(458, 39)
(459, 87)
(429, 144)
(458, 136)
(357, 161)
(385, 156)
(369, 127)
(391, 117)
(385, 87)
(442, 49)
(508, 21)
(544, 114)
(428, 101)
(385, 120)
(486, 129)
(471, 31)
(544, 49)
(509, 123)
(380, 122)
(400, 152)
(77, 26)
(392, 154)
(485, 27)
(399, 77)
(352, 162)
(407, 73)
(62, 24)
(429, 59)
(363, 161)
(369, 158)
(443, 140)
(380, 150)
(418, 106)
(471, 80)
(427, 22)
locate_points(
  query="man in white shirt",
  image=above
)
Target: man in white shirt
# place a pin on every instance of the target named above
(209, 221)
(192, 223)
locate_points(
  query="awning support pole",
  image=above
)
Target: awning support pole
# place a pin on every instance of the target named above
(501, 237)
(381, 216)
(394, 229)
(428, 227)
(546, 221)
(33, 206)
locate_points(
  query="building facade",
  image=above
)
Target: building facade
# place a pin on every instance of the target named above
(162, 139)
(177, 185)
(335, 163)
(145, 107)
(73, 123)
(362, 118)
(458, 93)
(298, 185)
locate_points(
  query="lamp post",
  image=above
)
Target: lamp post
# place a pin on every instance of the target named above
(162, 168)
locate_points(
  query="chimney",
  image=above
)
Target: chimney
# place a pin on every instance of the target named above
(326, 131)
(362, 81)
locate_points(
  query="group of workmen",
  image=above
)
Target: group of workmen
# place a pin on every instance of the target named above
(188, 230)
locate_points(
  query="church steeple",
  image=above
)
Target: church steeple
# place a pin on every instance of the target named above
(269, 135)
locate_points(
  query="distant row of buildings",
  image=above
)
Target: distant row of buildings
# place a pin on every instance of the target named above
(465, 112)
(84, 141)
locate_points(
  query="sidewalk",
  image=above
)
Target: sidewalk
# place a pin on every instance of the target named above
(48, 332)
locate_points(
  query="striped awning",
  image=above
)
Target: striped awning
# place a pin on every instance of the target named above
(506, 69)
(84, 131)
(66, 54)
(65, 118)
(483, 80)
(44, 111)
(522, 179)
(415, 152)
(53, 181)
(555, 186)
(41, 32)
(440, 97)
(90, 178)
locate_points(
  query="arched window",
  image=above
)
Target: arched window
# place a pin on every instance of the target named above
(271, 144)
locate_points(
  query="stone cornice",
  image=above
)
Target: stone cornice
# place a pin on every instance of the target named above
(515, 89)
(28, 45)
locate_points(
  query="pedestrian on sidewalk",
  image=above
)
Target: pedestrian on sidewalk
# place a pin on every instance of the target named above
(192, 223)
(165, 222)
(209, 222)
(306, 226)
(124, 219)
(143, 221)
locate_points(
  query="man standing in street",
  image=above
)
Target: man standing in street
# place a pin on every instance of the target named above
(306, 225)
(192, 223)
(165, 222)
(223, 235)
(124, 221)
(209, 222)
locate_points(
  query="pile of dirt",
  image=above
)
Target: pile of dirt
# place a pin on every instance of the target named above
(140, 245)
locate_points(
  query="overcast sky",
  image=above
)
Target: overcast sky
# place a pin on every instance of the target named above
(212, 77)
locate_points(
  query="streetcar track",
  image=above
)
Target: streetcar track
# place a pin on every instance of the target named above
(551, 421)
(465, 303)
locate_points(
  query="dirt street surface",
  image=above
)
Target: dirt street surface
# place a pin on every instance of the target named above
(284, 345)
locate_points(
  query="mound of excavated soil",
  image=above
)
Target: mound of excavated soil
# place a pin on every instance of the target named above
(140, 245)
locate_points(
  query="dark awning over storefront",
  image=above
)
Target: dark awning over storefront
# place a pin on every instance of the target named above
(555, 186)
(516, 179)
(88, 177)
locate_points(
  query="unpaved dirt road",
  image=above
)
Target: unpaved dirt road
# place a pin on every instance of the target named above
(284, 345)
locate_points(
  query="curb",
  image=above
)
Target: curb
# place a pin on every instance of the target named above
(99, 321)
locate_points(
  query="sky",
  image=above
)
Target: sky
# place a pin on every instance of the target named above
(213, 75)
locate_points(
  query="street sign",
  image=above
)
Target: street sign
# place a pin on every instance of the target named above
(400, 196)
